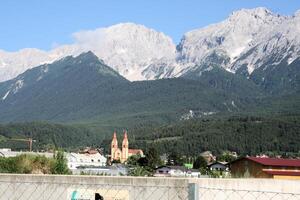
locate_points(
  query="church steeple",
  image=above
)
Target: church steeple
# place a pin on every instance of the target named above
(114, 146)
(125, 140)
(125, 146)
(114, 142)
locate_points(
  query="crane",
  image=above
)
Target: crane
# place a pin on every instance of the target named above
(29, 140)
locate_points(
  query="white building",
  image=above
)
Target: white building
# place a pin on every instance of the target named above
(176, 171)
(77, 160)
(218, 166)
(114, 170)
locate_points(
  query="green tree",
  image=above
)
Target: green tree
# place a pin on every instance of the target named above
(175, 158)
(60, 164)
(200, 162)
(140, 171)
(133, 160)
(227, 157)
(153, 159)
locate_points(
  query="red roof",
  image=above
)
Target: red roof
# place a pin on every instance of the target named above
(276, 161)
(135, 151)
(283, 173)
(92, 151)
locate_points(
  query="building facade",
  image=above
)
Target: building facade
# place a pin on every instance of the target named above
(257, 167)
(82, 160)
(124, 153)
(218, 166)
(176, 171)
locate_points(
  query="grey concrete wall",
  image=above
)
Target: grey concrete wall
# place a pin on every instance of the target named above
(260, 189)
(49, 187)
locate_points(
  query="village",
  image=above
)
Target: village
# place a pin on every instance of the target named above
(134, 162)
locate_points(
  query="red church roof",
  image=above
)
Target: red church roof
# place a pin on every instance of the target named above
(134, 151)
(276, 161)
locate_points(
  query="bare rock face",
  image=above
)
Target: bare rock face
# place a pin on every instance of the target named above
(247, 40)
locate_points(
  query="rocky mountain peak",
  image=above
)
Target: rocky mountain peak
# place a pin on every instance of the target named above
(255, 12)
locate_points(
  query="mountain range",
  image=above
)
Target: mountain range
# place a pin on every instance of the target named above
(249, 39)
(129, 74)
(85, 88)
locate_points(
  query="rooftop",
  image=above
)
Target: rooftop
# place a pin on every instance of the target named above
(275, 161)
(282, 173)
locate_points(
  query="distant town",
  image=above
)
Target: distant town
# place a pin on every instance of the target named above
(125, 161)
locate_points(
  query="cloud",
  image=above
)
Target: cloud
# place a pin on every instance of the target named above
(90, 39)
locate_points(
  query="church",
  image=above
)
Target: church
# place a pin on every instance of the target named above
(123, 154)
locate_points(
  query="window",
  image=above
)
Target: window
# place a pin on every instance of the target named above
(92, 160)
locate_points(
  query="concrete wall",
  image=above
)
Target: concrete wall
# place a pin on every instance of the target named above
(245, 189)
(49, 187)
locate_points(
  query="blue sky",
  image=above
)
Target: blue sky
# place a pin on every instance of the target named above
(44, 24)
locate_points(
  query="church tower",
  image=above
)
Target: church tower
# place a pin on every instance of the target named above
(114, 147)
(125, 146)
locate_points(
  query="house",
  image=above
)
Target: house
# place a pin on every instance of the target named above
(257, 167)
(91, 159)
(194, 173)
(208, 156)
(114, 170)
(218, 166)
(176, 171)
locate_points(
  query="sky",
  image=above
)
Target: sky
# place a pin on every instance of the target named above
(45, 24)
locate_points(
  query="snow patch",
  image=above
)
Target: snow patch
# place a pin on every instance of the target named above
(209, 113)
(6, 94)
(228, 108)
(18, 85)
(233, 104)
(250, 69)
(206, 70)
(229, 70)
(45, 69)
(39, 78)
(290, 60)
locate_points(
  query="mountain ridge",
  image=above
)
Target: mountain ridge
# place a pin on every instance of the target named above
(84, 88)
(141, 53)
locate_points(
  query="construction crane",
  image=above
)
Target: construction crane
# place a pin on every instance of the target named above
(29, 140)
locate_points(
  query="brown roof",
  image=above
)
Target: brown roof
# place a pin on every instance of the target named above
(134, 151)
(274, 161)
(92, 151)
